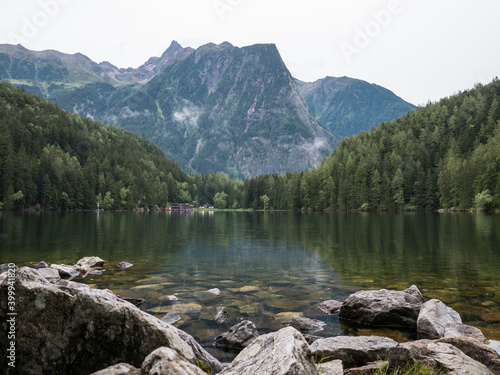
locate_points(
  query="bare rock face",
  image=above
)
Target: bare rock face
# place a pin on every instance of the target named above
(354, 351)
(278, 353)
(51, 274)
(383, 308)
(238, 337)
(334, 367)
(167, 361)
(433, 319)
(74, 329)
(436, 355)
(65, 271)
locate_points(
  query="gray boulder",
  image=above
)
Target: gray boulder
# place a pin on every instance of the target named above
(78, 330)
(383, 308)
(169, 362)
(330, 306)
(334, 367)
(87, 264)
(475, 349)
(51, 274)
(278, 353)
(39, 265)
(66, 271)
(436, 355)
(119, 369)
(306, 325)
(238, 337)
(354, 351)
(433, 318)
(463, 330)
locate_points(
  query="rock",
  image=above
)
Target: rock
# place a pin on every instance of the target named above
(287, 316)
(64, 284)
(463, 330)
(353, 350)
(82, 330)
(437, 356)
(221, 315)
(306, 325)
(495, 345)
(134, 301)
(169, 362)
(278, 353)
(334, 367)
(491, 317)
(124, 265)
(50, 274)
(200, 353)
(383, 308)
(40, 265)
(477, 350)
(171, 318)
(65, 271)
(119, 369)
(371, 368)
(181, 308)
(170, 298)
(215, 291)
(6, 266)
(238, 337)
(86, 264)
(330, 307)
(433, 319)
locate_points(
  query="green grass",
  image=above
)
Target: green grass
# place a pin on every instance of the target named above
(415, 368)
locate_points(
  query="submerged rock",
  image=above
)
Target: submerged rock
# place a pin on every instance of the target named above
(171, 318)
(221, 315)
(124, 265)
(238, 337)
(433, 318)
(383, 308)
(76, 330)
(278, 353)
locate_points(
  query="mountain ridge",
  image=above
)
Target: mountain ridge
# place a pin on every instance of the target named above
(214, 108)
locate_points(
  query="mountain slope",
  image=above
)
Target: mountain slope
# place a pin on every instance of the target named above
(347, 106)
(223, 108)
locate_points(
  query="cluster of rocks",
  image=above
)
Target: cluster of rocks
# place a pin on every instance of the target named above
(68, 327)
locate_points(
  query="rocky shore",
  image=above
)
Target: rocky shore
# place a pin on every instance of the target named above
(51, 325)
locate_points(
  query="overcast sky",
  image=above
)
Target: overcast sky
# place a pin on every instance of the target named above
(420, 49)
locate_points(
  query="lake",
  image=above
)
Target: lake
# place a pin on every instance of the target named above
(270, 264)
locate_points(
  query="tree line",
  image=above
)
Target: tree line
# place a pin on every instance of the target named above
(443, 155)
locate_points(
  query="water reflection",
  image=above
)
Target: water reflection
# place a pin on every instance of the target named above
(268, 264)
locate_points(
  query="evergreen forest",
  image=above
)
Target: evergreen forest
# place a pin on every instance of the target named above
(443, 155)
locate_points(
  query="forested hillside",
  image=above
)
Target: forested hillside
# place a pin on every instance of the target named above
(58, 160)
(443, 155)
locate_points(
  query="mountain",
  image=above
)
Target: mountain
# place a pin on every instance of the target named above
(347, 106)
(216, 108)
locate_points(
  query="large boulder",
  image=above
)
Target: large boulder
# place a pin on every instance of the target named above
(353, 351)
(74, 329)
(433, 318)
(278, 353)
(86, 264)
(437, 356)
(238, 337)
(119, 369)
(383, 308)
(475, 349)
